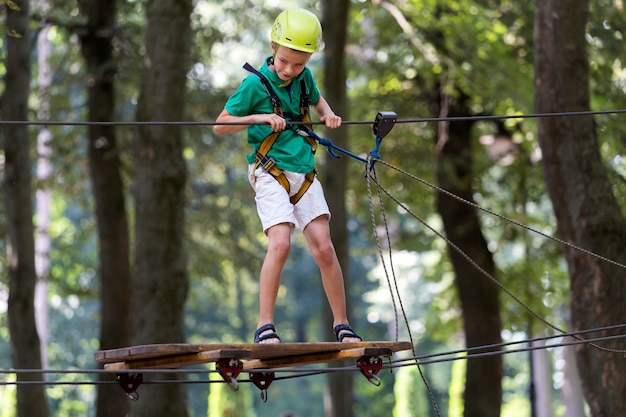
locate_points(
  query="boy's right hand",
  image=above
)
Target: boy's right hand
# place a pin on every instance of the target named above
(276, 122)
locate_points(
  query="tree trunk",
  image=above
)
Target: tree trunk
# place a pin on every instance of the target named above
(25, 343)
(541, 380)
(587, 212)
(571, 391)
(108, 191)
(339, 395)
(478, 295)
(160, 275)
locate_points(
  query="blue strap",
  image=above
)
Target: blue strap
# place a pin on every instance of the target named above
(331, 147)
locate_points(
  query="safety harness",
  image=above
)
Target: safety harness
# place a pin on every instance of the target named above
(269, 164)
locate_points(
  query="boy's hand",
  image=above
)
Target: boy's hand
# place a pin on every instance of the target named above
(331, 121)
(276, 122)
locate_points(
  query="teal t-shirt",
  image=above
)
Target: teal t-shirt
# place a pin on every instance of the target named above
(290, 151)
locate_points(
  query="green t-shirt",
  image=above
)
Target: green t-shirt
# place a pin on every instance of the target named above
(290, 151)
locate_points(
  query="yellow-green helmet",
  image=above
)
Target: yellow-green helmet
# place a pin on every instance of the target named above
(298, 29)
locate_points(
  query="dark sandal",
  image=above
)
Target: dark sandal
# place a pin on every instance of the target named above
(258, 338)
(344, 330)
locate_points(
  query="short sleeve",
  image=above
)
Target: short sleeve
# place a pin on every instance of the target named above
(250, 98)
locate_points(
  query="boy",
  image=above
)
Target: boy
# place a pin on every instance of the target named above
(281, 166)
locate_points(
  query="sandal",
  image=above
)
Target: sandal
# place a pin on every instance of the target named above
(258, 337)
(344, 330)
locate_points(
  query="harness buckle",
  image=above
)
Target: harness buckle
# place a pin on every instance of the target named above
(265, 162)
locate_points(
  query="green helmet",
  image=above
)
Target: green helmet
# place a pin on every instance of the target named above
(298, 29)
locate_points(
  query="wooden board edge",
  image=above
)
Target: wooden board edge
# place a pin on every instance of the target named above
(179, 361)
(143, 351)
(314, 358)
(262, 351)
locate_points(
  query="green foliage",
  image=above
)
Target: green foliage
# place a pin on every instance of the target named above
(608, 85)
(10, 4)
(410, 392)
(8, 395)
(224, 402)
(483, 49)
(73, 268)
(515, 385)
(457, 384)
(298, 396)
(437, 53)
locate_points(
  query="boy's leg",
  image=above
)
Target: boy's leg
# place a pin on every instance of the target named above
(317, 234)
(277, 253)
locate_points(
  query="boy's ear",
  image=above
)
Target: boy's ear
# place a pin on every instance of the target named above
(274, 47)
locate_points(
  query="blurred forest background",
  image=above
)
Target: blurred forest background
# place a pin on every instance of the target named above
(193, 247)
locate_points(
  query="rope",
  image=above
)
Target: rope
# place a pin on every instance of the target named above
(448, 356)
(478, 267)
(382, 257)
(496, 348)
(391, 282)
(500, 216)
(508, 352)
(347, 122)
(371, 174)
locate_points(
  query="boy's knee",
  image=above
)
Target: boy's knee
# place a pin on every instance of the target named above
(324, 252)
(280, 247)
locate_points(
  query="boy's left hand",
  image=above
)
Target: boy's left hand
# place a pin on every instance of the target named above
(331, 121)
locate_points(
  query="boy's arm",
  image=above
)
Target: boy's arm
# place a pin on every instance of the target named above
(276, 122)
(327, 115)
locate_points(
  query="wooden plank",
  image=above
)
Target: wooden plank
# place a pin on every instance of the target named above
(179, 361)
(258, 351)
(309, 359)
(149, 351)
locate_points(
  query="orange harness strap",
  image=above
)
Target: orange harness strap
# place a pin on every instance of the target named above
(269, 165)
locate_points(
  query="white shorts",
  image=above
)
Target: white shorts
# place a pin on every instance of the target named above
(272, 201)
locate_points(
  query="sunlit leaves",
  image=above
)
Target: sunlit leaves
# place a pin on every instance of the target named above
(10, 4)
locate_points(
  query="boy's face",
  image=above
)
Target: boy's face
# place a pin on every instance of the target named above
(289, 63)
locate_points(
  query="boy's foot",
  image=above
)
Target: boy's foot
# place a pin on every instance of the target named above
(266, 334)
(345, 334)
